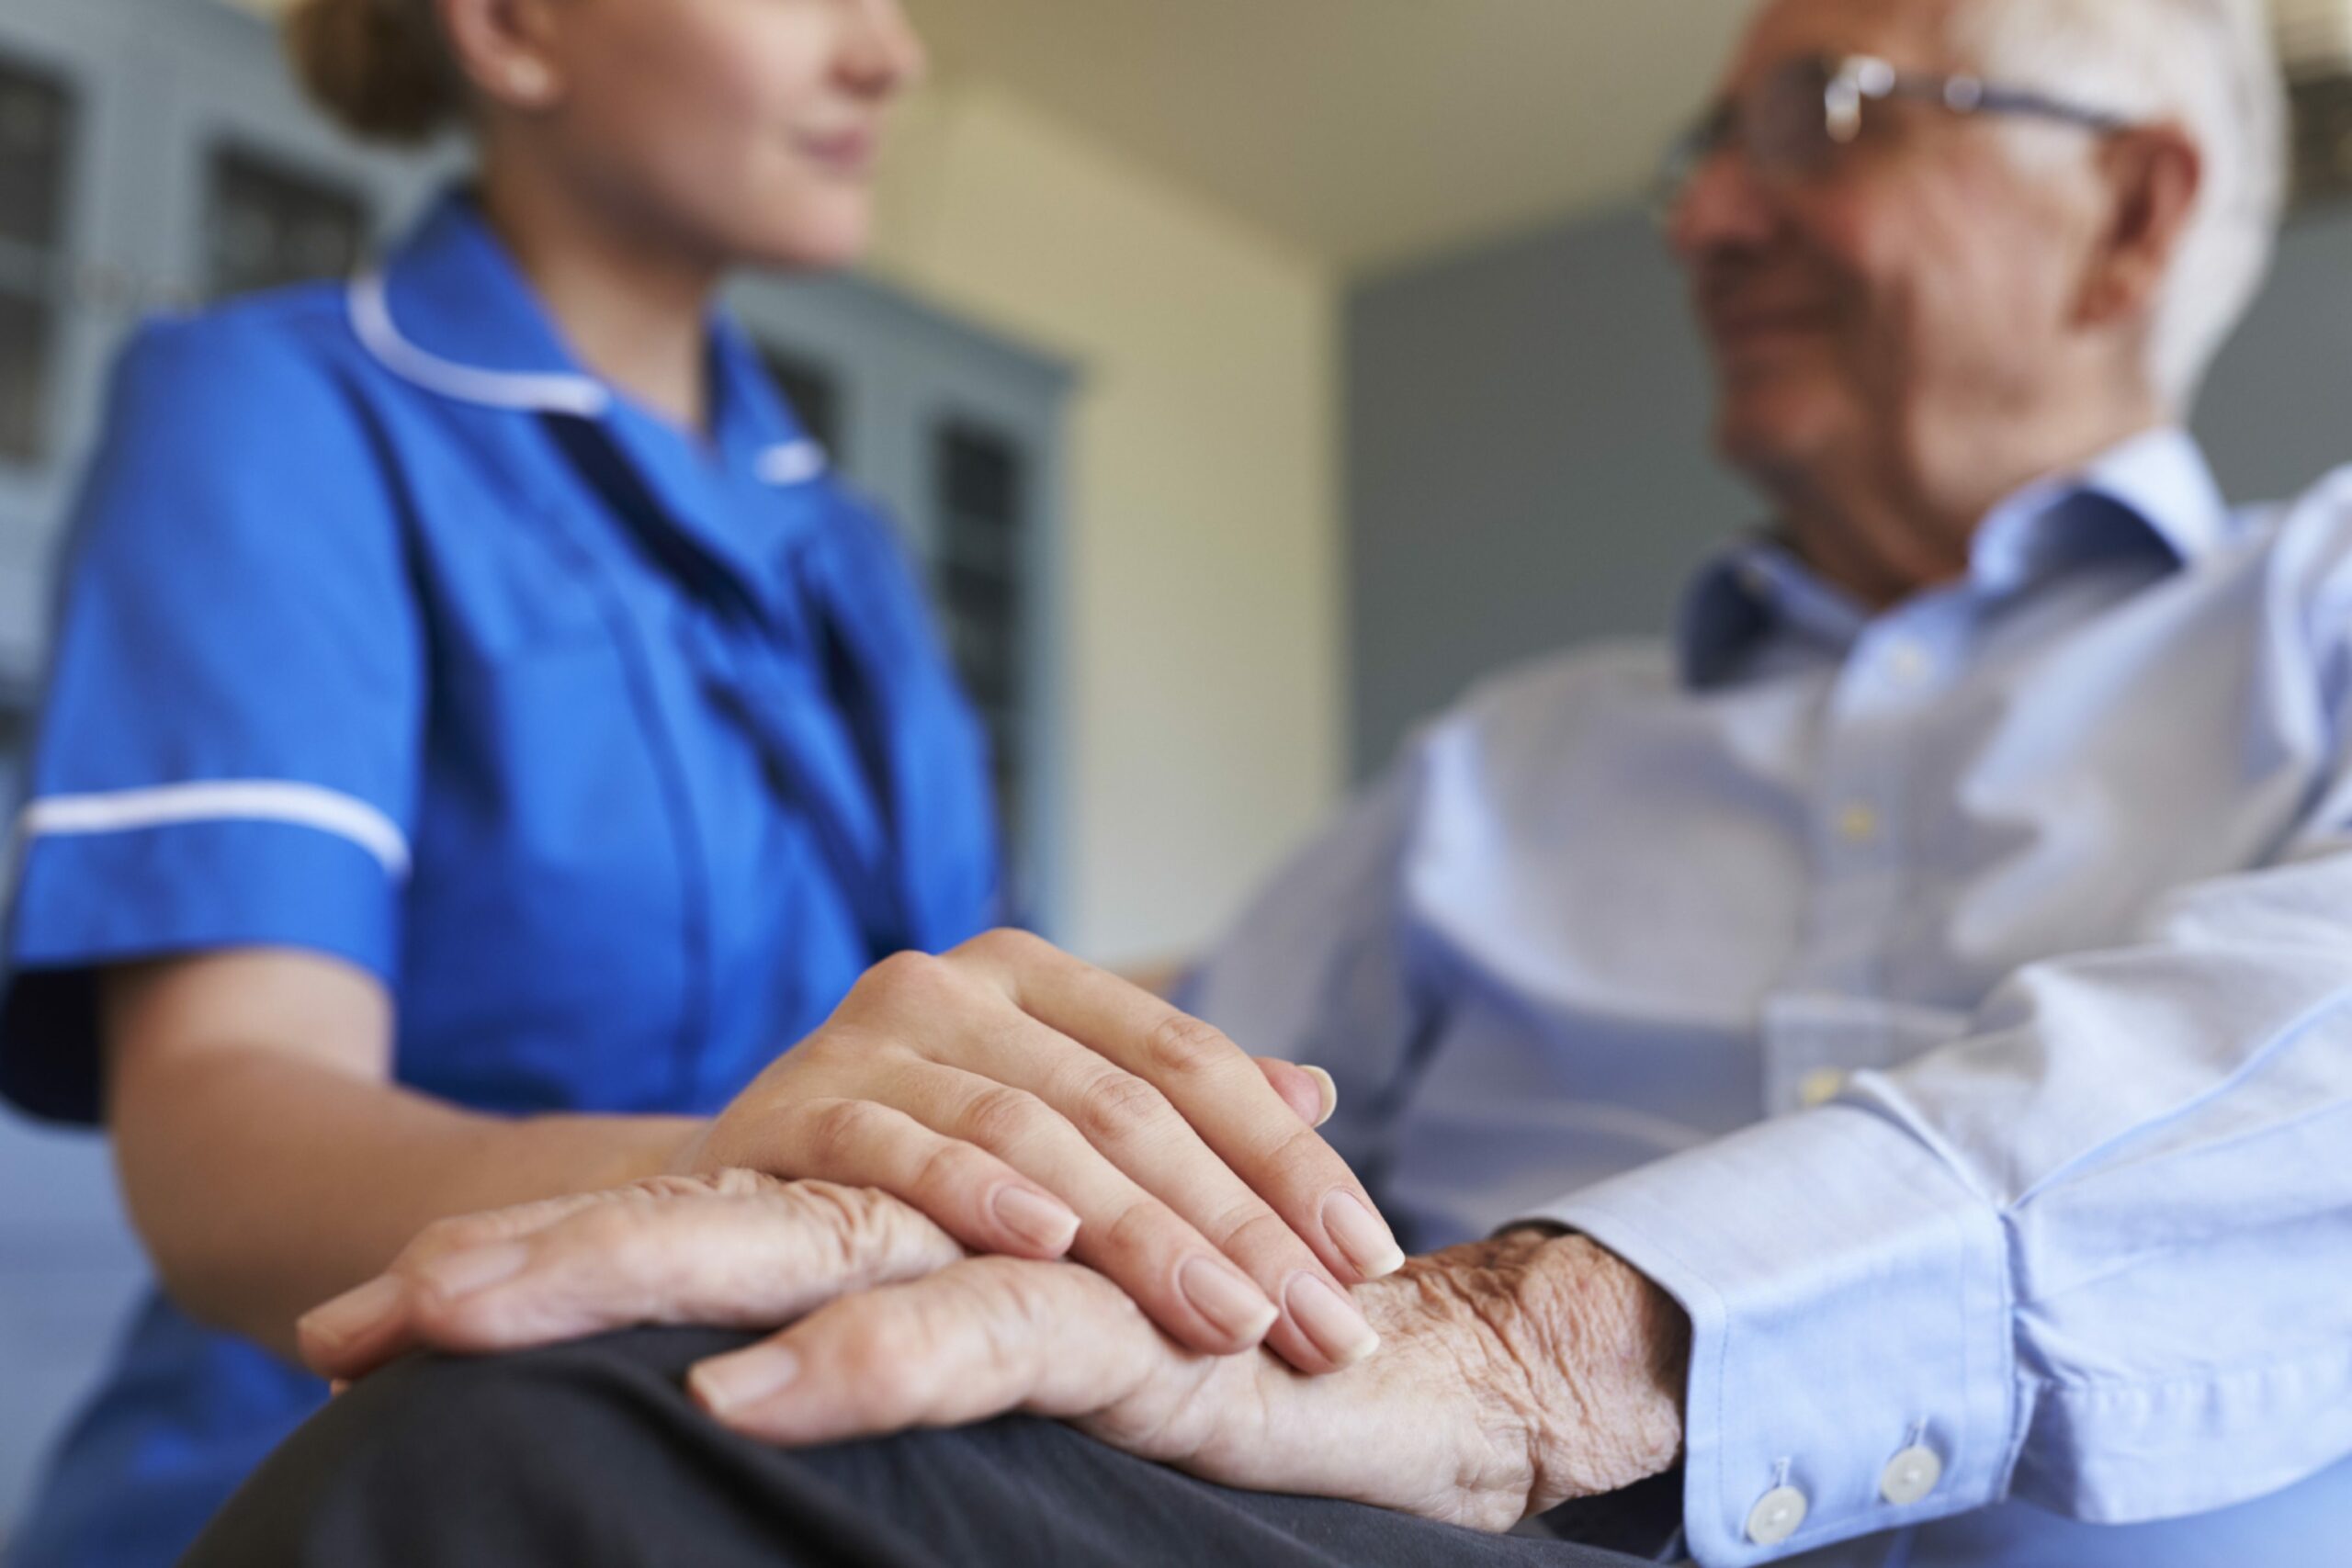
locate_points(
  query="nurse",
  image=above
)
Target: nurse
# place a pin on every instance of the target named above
(488, 757)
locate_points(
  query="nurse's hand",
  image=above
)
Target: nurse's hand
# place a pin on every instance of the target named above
(735, 1249)
(1034, 1105)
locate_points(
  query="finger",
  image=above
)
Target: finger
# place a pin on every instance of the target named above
(1220, 1091)
(980, 1200)
(748, 1262)
(987, 1336)
(1140, 1133)
(1309, 1091)
(364, 1327)
(1176, 1274)
(748, 1259)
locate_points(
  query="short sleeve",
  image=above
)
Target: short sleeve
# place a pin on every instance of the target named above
(228, 753)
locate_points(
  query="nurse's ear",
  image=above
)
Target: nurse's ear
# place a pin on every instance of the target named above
(508, 51)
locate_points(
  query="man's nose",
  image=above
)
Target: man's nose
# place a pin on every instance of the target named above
(1721, 205)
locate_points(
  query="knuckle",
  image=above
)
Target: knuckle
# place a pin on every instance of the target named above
(882, 1358)
(1117, 1107)
(1299, 1158)
(1180, 1047)
(1012, 1297)
(1006, 946)
(949, 1167)
(1255, 1231)
(1140, 1229)
(836, 1133)
(910, 978)
(1001, 1116)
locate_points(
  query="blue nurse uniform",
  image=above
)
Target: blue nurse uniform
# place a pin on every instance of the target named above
(390, 634)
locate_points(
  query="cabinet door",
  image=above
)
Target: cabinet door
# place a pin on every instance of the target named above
(258, 190)
(69, 116)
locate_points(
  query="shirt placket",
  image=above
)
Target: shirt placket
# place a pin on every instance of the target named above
(1864, 847)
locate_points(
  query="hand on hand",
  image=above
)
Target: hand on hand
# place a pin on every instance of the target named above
(1034, 1106)
(1513, 1375)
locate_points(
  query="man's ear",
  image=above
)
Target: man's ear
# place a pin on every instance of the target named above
(2150, 176)
(507, 50)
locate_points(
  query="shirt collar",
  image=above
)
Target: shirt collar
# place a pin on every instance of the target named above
(2153, 489)
(451, 312)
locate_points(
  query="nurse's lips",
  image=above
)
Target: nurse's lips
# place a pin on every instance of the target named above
(847, 153)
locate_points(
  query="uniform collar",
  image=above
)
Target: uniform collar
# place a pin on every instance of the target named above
(2152, 493)
(451, 312)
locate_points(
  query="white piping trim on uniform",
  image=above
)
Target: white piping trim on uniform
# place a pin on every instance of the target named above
(790, 463)
(225, 800)
(371, 318)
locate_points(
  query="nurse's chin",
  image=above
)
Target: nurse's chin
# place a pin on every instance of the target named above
(818, 226)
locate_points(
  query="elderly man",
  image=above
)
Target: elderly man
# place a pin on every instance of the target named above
(1905, 1026)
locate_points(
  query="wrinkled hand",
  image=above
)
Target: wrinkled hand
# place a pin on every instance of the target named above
(1513, 1375)
(1033, 1105)
(735, 1249)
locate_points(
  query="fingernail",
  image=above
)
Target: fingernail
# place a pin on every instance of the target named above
(746, 1377)
(1035, 1218)
(1331, 1092)
(476, 1269)
(1330, 1319)
(351, 1314)
(1357, 1232)
(1226, 1297)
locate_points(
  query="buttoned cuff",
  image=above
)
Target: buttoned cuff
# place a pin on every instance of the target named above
(1853, 1365)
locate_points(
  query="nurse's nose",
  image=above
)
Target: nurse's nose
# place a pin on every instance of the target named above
(883, 54)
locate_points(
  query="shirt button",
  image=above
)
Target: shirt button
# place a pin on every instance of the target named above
(1821, 1086)
(1775, 1516)
(1910, 1476)
(1910, 664)
(1858, 824)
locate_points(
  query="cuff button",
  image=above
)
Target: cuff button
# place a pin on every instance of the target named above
(1910, 1476)
(1775, 1516)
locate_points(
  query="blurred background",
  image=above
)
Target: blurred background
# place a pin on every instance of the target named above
(1250, 374)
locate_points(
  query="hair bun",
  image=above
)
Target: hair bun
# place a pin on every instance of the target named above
(378, 67)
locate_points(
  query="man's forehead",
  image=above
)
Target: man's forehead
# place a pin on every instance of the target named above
(1910, 33)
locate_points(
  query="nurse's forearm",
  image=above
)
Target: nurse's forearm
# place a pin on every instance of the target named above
(265, 1184)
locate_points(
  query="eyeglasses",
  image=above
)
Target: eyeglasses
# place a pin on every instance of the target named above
(1793, 122)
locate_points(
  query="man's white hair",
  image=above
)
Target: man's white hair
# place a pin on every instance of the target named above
(2206, 65)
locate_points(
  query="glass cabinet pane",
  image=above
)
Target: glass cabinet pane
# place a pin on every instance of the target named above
(36, 132)
(980, 481)
(35, 140)
(266, 225)
(27, 341)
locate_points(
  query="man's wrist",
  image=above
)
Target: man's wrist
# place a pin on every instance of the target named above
(1607, 1355)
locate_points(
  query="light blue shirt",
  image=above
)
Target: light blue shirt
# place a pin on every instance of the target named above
(1951, 1007)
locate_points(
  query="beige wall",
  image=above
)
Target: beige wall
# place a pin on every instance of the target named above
(1204, 689)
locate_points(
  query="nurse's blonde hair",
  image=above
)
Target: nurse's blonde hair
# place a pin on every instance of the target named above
(381, 68)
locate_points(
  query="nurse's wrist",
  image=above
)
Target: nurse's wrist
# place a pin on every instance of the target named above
(655, 1145)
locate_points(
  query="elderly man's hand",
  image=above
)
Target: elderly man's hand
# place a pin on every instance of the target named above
(734, 1249)
(1513, 1374)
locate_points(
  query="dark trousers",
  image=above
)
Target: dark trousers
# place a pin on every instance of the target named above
(590, 1455)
